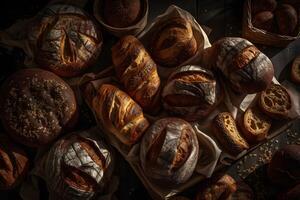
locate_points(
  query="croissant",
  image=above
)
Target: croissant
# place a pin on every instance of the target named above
(137, 72)
(174, 43)
(119, 114)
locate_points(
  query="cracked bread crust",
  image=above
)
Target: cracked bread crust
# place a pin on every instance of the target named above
(227, 134)
(275, 102)
(255, 125)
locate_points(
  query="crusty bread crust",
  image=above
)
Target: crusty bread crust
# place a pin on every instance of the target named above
(295, 71)
(227, 134)
(275, 102)
(255, 125)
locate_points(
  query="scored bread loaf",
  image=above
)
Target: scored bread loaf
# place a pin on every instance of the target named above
(228, 135)
(169, 151)
(137, 72)
(192, 92)
(275, 102)
(255, 125)
(246, 68)
(119, 114)
(173, 43)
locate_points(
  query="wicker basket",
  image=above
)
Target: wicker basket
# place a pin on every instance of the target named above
(260, 36)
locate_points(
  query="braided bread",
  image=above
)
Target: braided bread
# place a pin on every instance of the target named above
(174, 43)
(119, 114)
(136, 71)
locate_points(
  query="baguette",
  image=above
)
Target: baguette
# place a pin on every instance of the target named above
(227, 134)
(255, 125)
(275, 102)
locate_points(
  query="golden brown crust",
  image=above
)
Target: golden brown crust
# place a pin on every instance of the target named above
(255, 125)
(14, 163)
(227, 134)
(221, 188)
(122, 13)
(37, 106)
(65, 40)
(246, 68)
(295, 71)
(275, 102)
(192, 92)
(169, 151)
(119, 114)
(137, 72)
(174, 43)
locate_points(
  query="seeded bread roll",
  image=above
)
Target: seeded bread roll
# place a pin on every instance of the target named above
(173, 43)
(77, 166)
(169, 151)
(255, 125)
(218, 188)
(65, 40)
(122, 13)
(192, 92)
(36, 107)
(137, 72)
(246, 68)
(275, 102)
(119, 114)
(14, 164)
(227, 134)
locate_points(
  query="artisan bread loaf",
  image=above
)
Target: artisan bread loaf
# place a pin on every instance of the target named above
(173, 43)
(65, 40)
(192, 92)
(169, 151)
(246, 68)
(37, 106)
(137, 72)
(119, 114)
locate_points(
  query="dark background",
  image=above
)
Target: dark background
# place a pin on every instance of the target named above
(224, 17)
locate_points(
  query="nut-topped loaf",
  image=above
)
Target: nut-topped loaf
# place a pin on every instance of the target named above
(37, 106)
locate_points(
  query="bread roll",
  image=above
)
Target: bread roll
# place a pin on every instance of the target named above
(263, 5)
(121, 13)
(192, 92)
(227, 134)
(173, 43)
(36, 107)
(65, 40)
(169, 151)
(14, 164)
(255, 125)
(78, 166)
(275, 102)
(264, 20)
(284, 168)
(246, 68)
(137, 72)
(295, 71)
(287, 19)
(119, 114)
(218, 188)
